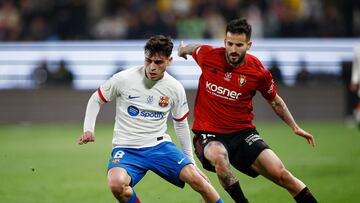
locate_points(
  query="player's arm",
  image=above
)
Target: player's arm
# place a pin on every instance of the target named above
(182, 131)
(104, 94)
(280, 108)
(184, 50)
(92, 110)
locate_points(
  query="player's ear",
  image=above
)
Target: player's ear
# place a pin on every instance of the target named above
(225, 38)
(170, 60)
(249, 44)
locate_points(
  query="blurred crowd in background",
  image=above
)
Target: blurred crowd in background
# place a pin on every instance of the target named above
(42, 20)
(58, 20)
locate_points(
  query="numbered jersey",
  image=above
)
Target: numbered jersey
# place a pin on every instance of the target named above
(143, 106)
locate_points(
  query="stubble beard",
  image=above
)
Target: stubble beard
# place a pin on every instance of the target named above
(235, 63)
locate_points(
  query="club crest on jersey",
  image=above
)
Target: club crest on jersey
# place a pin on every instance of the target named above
(228, 76)
(242, 80)
(164, 101)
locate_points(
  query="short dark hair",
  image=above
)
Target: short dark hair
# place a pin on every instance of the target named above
(239, 26)
(159, 44)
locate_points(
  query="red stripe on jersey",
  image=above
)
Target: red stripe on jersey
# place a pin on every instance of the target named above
(182, 118)
(137, 200)
(101, 95)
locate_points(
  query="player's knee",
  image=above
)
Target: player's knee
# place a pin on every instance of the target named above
(214, 149)
(117, 185)
(284, 177)
(216, 153)
(196, 181)
(221, 163)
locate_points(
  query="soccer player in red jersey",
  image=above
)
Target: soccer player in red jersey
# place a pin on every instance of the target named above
(223, 128)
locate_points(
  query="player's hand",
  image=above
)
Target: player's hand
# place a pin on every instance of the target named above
(181, 52)
(86, 137)
(202, 174)
(310, 139)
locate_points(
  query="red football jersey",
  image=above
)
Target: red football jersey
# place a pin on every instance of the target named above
(223, 101)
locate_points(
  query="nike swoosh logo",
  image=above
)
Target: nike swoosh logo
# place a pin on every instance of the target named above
(133, 97)
(179, 162)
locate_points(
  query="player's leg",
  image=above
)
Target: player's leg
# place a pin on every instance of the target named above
(191, 176)
(173, 165)
(216, 153)
(126, 168)
(270, 166)
(119, 184)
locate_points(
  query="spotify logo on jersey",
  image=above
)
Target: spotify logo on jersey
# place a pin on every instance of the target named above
(133, 111)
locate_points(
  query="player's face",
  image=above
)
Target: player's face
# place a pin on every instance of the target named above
(236, 46)
(155, 66)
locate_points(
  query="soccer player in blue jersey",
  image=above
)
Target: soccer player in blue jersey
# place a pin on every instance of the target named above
(145, 96)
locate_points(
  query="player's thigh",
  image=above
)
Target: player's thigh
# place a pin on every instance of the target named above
(118, 176)
(215, 150)
(132, 163)
(167, 161)
(268, 164)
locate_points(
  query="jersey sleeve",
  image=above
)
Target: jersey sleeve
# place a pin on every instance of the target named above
(200, 52)
(267, 85)
(180, 108)
(108, 91)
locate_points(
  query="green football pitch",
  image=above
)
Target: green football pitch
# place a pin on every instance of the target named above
(41, 163)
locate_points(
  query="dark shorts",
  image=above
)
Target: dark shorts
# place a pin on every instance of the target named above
(243, 148)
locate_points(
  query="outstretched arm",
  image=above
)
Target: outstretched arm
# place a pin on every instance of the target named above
(92, 110)
(184, 50)
(280, 108)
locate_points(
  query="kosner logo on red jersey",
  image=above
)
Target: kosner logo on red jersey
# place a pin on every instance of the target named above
(222, 91)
